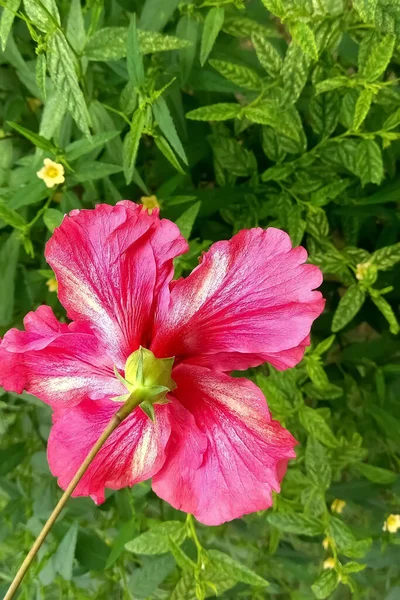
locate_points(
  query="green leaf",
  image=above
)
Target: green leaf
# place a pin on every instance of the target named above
(236, 569)
(134, 56)
(166, 149)
(156, 14)
(296, 523)
(296, 225)
(188, 29)
(267, 54)
(14, 454)
(331, 84)
(362, 108)
(165, 122)
(238, 74)
(366, 9)
(315, 424)
(387, 311)
(81, 147)
(378, 58)
(270, 113)
(376, 474)
(145, 580)
(95, 170)
(303, 35)
(11, 217)
(353, 567)
(6, 21)
(350, 304)
(386, 257)
(110, 43)
(75, 33)
(215, 112)
(276, 7)
(324, 113)
(41, 70)
(369, 162)
(43, 13)
(324, 346)
(317, 464)
(9, 253)
(187, 219)
(63, 559)
(181, 558)
(62, 72)
(278, 173)
(131, 143)
(317, 224)
(52, 218)
(326, 583)
(185, 589)
(126, 531)
(28, 194)
(156, 540)
(316, 372)
(294, 73)
(212, 26)
(38, 140)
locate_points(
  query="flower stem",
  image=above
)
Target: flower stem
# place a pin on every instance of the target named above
(112, 425)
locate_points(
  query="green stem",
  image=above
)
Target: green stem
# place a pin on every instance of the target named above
(193, 533)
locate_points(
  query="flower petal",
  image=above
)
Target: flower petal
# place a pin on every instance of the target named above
(250, 295)
(113, 265)
(133, 452)
(60, 364)
(246, 456)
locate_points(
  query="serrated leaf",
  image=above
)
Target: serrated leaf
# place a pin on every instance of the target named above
(167, 151)
(369, 162)
(296, 224)
(236, 569)
(379, 56)
(270, 113)
(267, 54)
(134, 56)
(386, 257)
(157, 539)
(212, 26)
(276, 7)
(238, 74)
(215, 112)
(366, 9)
(294, 73)
(61, 67)
(303, 35)
(387, 311)
(315, 424)
(326, 583)
(376, 474)
(145, 580)
(110, 43)
(278, 173)
(131, 143)
(324, 113)
(296, 523)
(317, 464)
(38, 140)
(331, 84)
(362, 108)
(165, 122)
(43, 14)
(75, 33)
(350, 304)
(185, 589)
(316, 373)
(6, 21)
(187, 219)
(41, 69)
(81, 147)
(317, 224)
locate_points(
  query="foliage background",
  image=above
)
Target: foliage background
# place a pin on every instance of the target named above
(234, 114)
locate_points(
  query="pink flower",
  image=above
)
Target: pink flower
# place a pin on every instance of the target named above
(213, 449)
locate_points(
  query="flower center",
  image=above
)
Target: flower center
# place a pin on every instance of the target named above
(52, 172)
(147, 380)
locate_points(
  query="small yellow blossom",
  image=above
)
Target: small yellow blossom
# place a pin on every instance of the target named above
(392, 524)
(150, 202)
(337, 506)
(52, 284)
(362, 269)
(52, 173)
(325, 543)
(329, 563)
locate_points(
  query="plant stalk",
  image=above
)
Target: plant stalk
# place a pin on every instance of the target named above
(112, 425)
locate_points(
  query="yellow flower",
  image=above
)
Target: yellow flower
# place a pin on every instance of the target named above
(52, 284)
(325, 543)
(337, 506)
(52, 173)
(150, 202)
(329, 563)
(392, 524)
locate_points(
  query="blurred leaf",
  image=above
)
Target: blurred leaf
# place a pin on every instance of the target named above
(134, 57)
(63, 559)
(131, 143)
(238, 74)
(295, 523)
(156, 540)
(6, 21)
(326, 583)
(186, 221)
(215, 112)
(376, 474)
(348, 307)
(9, 252)
(12, 456)
(52, 218)
(267, 54)
(145, 580)
(212, 26)
(163, 117)
(303, 35)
